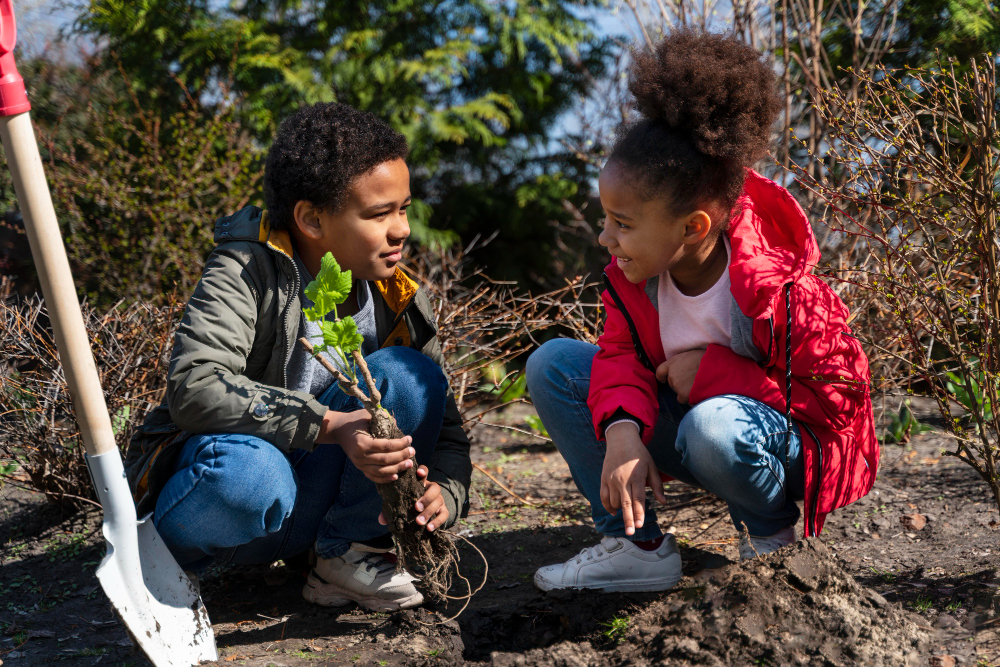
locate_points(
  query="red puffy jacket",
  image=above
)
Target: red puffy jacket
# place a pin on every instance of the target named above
(773, 254)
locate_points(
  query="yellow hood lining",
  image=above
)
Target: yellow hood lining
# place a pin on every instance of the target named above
(278, 239)
(398, 291)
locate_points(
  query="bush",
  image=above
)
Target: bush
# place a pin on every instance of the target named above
(914, 197)
(137, 193)
(40, 443)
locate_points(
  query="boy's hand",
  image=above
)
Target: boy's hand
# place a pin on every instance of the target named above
(679, 372)
(433, 511)
(381, 461)
(628, 469)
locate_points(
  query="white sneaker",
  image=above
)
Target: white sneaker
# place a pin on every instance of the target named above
(758, 546)
(363, 575)
(616, 565)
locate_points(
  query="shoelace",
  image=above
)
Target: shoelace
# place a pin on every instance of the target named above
(378, 562)
(590, 553)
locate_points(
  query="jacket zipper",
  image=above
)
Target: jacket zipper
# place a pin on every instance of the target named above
(284, 321)
(636, 343)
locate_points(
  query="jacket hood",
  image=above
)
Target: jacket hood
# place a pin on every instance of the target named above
(251, 223)
(772, 244)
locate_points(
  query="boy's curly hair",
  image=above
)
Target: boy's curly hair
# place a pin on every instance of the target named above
(318, 151)
(707, 102)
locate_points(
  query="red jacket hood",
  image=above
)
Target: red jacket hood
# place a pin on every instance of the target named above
(772, 244)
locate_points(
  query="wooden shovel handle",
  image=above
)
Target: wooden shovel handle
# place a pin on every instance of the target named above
(57, 282)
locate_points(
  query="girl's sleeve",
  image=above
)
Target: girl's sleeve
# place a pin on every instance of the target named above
(618, 380)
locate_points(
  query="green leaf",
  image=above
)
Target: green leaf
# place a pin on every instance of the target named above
(329, 290)
(120, 420)
(341, 334)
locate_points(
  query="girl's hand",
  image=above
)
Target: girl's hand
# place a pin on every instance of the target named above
(628, 469)
(433, 511)
(381, 461)
(679, 372)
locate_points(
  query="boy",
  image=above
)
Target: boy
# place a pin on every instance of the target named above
(255, 454)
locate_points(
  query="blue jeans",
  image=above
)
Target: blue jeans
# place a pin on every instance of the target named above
(238, 499)
(731, 445)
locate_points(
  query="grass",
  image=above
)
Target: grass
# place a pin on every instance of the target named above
(887, 577)
(922, 603)
(954, 606)
(617, 627)
(434, 653)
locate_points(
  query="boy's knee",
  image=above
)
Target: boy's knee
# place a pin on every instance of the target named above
(407, 368)
(252, 479)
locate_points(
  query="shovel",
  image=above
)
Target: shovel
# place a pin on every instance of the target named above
(149, 591)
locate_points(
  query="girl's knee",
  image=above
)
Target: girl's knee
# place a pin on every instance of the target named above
(553, 364)
(705, 434)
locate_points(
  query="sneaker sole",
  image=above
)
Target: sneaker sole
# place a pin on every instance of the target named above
(332, 595)
(617, 587)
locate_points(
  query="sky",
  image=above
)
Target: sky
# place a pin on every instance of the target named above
(39, 22)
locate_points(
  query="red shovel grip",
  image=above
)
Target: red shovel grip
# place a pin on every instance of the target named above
(13, 98)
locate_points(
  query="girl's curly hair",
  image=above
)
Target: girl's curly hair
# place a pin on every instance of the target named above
(707, 102)
(318, 151)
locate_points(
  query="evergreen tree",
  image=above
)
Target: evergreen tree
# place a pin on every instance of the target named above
(477, 86)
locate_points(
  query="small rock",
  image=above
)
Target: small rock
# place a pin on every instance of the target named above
(942, 661)
(945, 621)
(913, 521)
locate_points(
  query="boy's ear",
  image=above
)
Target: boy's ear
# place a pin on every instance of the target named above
(697, 226)
(307, 221)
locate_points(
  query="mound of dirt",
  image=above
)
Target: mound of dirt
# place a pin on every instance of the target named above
(794, 607)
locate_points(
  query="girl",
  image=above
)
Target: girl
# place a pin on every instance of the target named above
(724, 362)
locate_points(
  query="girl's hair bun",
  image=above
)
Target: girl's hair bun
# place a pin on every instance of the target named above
(717, 90)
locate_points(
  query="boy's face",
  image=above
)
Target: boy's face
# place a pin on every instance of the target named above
(366, 235)
(642, 234)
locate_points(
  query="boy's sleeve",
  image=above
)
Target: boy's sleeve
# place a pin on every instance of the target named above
(619, 383)
(451, 464)
(206, 389)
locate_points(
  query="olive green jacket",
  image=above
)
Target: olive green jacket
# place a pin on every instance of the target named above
(227, 372)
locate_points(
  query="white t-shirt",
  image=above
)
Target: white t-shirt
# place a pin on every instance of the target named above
(692, 322)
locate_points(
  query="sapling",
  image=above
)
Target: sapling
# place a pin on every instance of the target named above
(428, 554)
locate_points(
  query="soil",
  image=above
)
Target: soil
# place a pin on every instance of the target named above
(907, 575)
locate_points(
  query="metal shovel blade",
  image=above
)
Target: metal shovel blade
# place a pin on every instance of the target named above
(147, 588)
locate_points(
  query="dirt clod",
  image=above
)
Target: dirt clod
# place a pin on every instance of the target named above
(913, 521)
(793, 607)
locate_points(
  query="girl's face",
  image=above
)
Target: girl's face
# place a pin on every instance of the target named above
(642, 234)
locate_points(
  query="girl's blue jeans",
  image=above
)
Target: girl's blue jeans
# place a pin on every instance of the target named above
(731, 445)
(238, 499)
